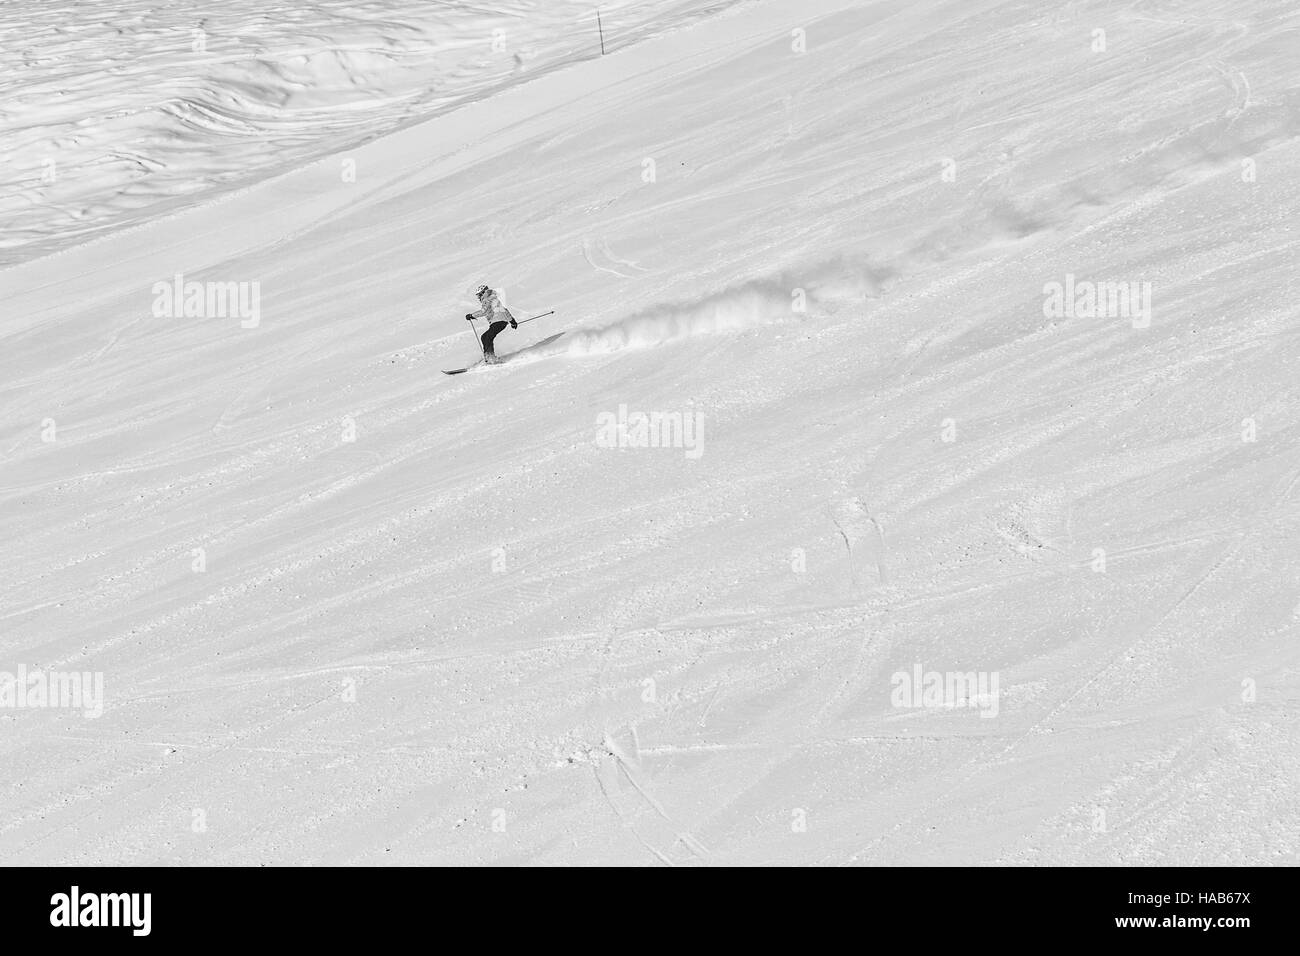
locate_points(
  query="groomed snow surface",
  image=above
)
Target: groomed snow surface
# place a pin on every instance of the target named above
(968, 334)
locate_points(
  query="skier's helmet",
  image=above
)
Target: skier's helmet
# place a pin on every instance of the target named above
(481, 291)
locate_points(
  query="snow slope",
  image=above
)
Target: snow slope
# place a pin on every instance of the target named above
(116, 113)
(476, 634)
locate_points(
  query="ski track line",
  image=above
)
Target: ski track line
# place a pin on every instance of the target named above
(623, 821)
(868, 633)
(684, 836)
(881, 605)
(670, 751)
(419, 663)
(586, 247)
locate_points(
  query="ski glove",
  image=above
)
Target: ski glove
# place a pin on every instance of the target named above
(514, 324)
(469, 316)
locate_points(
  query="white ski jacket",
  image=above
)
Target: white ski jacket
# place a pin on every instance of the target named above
(491, 308)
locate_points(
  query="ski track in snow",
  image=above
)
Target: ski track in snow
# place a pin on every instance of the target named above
(432, 602)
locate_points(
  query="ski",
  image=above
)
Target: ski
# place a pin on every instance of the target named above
(457, 371)
(501, 360)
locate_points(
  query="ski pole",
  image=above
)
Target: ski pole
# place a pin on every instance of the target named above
(477, 339)
(530, 318)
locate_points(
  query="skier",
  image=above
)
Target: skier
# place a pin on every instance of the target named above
(498, 317)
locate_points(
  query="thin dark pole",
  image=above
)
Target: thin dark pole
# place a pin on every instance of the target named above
(601, 27)
(477, 339)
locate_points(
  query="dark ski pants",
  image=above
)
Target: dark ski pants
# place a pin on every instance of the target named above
(491, 334)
